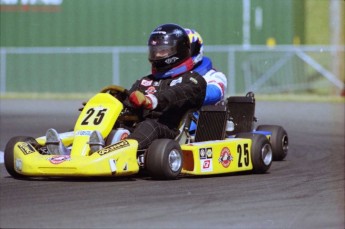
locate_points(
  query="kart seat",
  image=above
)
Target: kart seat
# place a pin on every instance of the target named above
(211, 122)
(241, 111)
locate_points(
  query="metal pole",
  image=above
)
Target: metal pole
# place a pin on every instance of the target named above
(246, 24)
(336, 11)
(231, 90)
(116, 66)
(2, 71)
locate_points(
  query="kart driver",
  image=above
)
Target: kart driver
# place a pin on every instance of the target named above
(171, 90)
(165, 95)
(216, 81)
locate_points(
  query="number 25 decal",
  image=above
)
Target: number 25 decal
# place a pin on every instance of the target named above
(243, 152)
(97, 119)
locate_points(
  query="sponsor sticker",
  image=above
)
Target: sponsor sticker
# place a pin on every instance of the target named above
(26, 148)
(58, 159)
(171, 60)
(209, 152)
(205, 153)
(83, 133)
(150, 90)
(202, 153)
(225, 157)
(206, 165)
(174, 82)
(111, 148)
(146, 83)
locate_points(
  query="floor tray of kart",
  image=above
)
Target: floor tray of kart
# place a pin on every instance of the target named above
(224, 141)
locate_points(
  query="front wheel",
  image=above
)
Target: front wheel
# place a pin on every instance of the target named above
(279, 140)
(9, 154)
(261, 151)
(164, 159)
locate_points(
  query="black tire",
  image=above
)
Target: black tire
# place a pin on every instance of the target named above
(9, 154)
(261, 151)
(279, 141)
(164, 159)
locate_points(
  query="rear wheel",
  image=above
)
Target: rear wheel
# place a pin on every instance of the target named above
(164, 159)
(261, 151)
(9, 154)
(279, 141)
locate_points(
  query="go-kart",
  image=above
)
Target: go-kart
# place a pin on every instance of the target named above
(224, 142)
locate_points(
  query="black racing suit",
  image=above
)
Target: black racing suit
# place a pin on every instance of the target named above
(175, 97)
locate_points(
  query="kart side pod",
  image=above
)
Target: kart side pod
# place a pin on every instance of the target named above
(247, 152)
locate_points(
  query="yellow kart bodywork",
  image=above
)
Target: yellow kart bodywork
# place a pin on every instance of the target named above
(116, 160)
(217, 157)
(245, 152)
(119, 159)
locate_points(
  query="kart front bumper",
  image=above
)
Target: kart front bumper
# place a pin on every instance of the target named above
(116, 161)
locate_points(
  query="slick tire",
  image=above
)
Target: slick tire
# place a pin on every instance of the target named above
(163, 159)
(261, 151)
(279, 141)
(9, 154)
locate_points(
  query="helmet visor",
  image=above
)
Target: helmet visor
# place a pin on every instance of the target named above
(161, 51)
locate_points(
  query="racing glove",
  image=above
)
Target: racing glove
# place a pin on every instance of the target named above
(138, 99)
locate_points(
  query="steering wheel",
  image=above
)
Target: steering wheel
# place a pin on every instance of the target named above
(115, 90)
(118, 92)
(121, 93)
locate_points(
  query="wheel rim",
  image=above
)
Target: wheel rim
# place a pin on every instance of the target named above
(266, 153)
(175, 160)
(285, 143)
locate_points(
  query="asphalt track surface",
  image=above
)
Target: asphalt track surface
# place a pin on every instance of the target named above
(304, 191)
